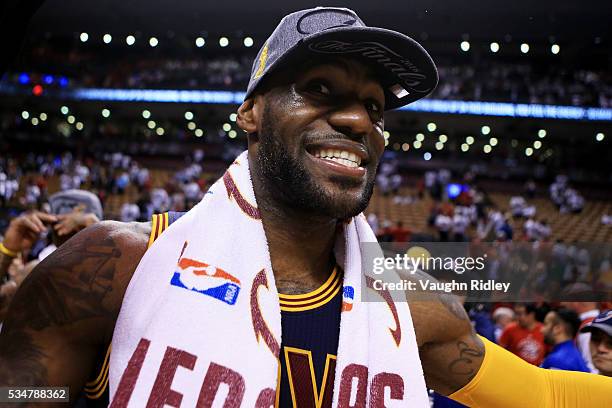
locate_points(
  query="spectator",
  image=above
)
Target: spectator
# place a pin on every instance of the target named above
(587, 311)
(601, 342)
(559, 329)
(524, 338)
(502, 317)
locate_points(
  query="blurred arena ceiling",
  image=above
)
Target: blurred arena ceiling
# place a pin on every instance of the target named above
(522, 19)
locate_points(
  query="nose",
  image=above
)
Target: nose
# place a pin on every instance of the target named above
(352, 119)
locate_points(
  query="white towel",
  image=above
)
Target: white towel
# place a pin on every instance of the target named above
(200, 323)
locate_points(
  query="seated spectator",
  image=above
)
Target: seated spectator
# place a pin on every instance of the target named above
(559, 329)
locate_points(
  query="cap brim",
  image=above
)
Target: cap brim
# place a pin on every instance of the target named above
(406, 71)
(606, 328)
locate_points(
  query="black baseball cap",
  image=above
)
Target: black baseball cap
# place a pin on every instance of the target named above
(405, 70)
(602, 322)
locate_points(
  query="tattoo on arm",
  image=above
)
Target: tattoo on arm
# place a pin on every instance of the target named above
(465, 365)
(70, 287)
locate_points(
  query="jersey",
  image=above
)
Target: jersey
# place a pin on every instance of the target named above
(527, 344)
(311, 329)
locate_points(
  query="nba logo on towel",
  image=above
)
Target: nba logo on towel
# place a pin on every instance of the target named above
(348, 294)
(206, 279)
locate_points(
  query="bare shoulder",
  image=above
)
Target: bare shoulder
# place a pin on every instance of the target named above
(67, 307)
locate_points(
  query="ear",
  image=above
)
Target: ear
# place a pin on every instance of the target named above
(248, 116)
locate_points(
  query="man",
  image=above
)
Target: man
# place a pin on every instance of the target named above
(587, 311)
(313, 115)
(601, 342)
(524, 338)
(559, 329)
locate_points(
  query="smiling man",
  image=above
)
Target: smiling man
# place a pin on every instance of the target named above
(253, 298)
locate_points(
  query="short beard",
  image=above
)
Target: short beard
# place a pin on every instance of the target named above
(287, 180)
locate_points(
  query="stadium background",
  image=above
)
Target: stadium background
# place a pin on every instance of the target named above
(133, 100)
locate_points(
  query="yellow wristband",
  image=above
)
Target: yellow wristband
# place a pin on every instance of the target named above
(8, 252)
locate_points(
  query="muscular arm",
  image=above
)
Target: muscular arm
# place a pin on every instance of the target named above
(66, 309)
(451, 352)
(478, 373)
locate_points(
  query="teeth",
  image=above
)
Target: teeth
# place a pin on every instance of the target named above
(339, 156)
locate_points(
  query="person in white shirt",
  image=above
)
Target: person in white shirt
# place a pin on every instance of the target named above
(587, 311)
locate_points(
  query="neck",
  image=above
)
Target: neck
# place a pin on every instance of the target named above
(301, 245)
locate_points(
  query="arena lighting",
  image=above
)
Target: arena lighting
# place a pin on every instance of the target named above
(25, 115)
(427, 156)
(493, 141)
(431, 127)
(130, 40)
(555, 49)
(248, 42)
(34, 121)
(146, 114)
(233, 117)
(524, 48)
(151, 124)
(443, 138)
(405, 147)
(199, 42)
(48, 79)
(469, 140)
(105, 113)
(37, 90)
(191, 126)
(43, 116)
(227, 127)
(487, 149)
(417, 144)
(199, 133)
(485, 130)
(537, 144)
(84, 37)
(541, 133)
(423, 105)
(107, 38)
(599, 137)
(232, 134)
(465, 147)
(159, 131)
(494, 47)
(79, 125)
(396, 146)
(420, 137)
(188, 115)
(64, 110)
(465, 46)
(24, 78)
(528, 151)
(63, 82)
(386, 134)
(70, 119)
(153, 42)
(223, 41)
(439, 145)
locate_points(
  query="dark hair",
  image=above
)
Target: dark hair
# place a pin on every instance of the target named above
(570, 320)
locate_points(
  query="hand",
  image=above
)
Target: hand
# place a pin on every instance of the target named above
(25, 230)
(73, 222)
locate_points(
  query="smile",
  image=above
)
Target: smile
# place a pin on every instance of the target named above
(342, 157)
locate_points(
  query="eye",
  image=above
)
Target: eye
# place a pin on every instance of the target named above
(373, 106)
(319, 87)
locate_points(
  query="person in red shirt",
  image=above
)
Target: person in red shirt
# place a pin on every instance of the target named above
(400, 233)
(524, 338)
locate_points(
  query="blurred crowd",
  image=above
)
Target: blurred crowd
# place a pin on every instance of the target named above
(480, 80)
